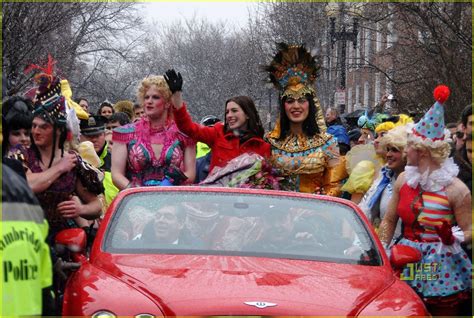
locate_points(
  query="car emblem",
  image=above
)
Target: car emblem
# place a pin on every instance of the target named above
(260, 304)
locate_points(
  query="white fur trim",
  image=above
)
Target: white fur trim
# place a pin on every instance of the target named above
(434, 181)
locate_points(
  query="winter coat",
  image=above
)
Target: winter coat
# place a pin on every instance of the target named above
(224, 146)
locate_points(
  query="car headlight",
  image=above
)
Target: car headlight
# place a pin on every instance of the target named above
(103, 314)
(144, 316)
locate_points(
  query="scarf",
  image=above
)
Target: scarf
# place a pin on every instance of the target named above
(387, 175)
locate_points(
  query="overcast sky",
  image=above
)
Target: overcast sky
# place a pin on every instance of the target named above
(234, 13)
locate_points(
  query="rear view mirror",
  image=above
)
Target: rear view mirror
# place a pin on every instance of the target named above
(401, 255)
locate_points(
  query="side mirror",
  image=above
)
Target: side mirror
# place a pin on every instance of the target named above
(401, 255)
(75, 240)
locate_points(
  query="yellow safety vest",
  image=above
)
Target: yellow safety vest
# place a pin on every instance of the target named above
(26, 262)
(201, 150)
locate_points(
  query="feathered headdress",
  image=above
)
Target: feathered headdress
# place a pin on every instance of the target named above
(293, 70)
(53, 96)
(49, 103)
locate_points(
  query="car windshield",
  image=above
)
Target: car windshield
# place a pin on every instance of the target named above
(219, 223)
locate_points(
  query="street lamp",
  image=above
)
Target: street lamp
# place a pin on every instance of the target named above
(342, 36)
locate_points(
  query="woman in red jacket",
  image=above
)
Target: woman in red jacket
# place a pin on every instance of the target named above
(242, 131)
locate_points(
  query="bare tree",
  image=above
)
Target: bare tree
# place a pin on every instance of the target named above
(432, 46)
(216, 63)
(78, 35)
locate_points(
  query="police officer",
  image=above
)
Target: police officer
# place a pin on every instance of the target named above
(26, 268)
(93, 130)
(203, 151)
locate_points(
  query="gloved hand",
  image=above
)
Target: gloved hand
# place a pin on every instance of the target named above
(175, 81)
(445, 233)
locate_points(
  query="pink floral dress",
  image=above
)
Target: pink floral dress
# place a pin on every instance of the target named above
(143, 167)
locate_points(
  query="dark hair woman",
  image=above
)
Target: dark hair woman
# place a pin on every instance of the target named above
(106, 109)
(242, 131)
(17, 115)
(309, 126)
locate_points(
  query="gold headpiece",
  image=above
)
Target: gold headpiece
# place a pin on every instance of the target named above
(293, 70)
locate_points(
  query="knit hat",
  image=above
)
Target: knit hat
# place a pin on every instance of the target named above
(430, 130)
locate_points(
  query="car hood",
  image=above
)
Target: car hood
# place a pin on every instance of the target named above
(220, 285)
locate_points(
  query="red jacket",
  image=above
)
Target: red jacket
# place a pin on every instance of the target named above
(224, 146)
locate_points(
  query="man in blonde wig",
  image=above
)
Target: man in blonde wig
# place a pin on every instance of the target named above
(435, 209)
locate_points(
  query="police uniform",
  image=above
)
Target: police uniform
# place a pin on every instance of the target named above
(26, 263)
(93, 126)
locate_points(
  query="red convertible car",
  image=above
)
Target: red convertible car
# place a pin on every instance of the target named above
(197, 251)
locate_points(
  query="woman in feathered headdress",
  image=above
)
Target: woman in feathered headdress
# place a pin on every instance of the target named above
(301, 148)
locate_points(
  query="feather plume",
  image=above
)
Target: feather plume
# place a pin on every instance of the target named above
(292, 65)
(45, 76)
(48, 69)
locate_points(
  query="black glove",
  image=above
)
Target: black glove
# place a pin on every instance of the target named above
(175, 81)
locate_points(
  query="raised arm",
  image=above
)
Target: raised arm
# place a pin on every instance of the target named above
(181, 116)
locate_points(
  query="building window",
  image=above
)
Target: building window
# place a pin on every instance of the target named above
(389, 84)
(357, 97)
(366, 94)
(358, 48)
(351, 53)
(367, 46)
(330, 68)
(377, 88)
(378, 38)
(391, 34)
(350, 106)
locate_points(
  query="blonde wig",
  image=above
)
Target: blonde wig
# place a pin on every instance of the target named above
(160, 83)
(396, 137)
(438, 154)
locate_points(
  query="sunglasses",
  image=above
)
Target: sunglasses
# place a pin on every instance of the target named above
(459, 134)
(392, 149)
